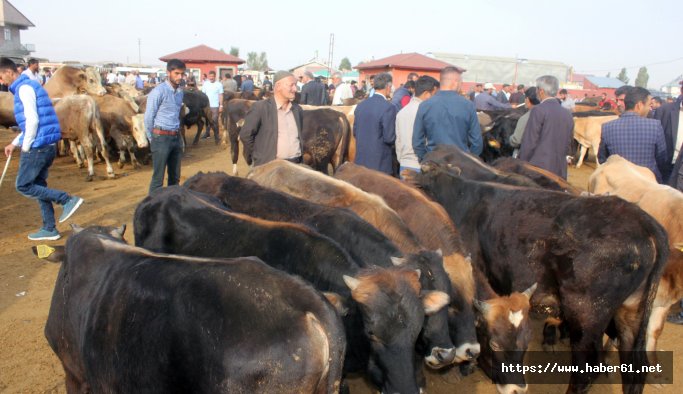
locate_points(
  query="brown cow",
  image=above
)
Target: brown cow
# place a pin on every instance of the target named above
(124, 125)
(69, 80)
(543, 178)
(588, 132)
(79, 120)
(126, 92)
(314, 186)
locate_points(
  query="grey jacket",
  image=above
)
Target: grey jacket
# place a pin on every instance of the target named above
(259, 133)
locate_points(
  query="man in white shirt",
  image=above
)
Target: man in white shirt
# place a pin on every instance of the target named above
(111, 78)
(425, 87)
(120, 78)
(32, 71)
(214, 90)
(342, 90)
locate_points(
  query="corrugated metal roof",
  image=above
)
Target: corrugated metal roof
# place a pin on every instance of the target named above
(676, 82)
(406, 60)
(11, 15)
(604, 82)
(202, 53)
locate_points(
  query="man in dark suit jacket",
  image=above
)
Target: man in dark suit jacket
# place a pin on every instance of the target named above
(313, 92)
(670, 114)
(549, 132)
(375, 128)
(272, 127)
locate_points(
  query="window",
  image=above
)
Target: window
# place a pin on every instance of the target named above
(8, 34)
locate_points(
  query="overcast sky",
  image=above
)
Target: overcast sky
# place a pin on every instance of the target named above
(593, 36)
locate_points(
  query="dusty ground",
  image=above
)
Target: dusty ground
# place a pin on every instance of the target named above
(27, 364)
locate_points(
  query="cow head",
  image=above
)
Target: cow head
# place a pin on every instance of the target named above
(57, 254)
(504, 329)
(393, 309)
(139, 133)
(435, 339)
(93, 82)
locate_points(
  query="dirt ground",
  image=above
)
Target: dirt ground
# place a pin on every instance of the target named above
(27, 364)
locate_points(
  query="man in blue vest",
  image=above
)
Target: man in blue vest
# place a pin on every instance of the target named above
(39, 133)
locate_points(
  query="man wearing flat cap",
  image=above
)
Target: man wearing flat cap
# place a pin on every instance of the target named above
(272, 127)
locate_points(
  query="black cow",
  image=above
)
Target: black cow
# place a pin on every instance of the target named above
(366, 245)
(471, 167)
(127, 320)
(497, 135)
(234, 112)
(594, 258)
(541, 177)
(177, 220)
(198, 112)
(325, 134)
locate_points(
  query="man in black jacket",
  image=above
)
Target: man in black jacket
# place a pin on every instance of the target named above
(272, 127)
(669, 114)
(313, 92)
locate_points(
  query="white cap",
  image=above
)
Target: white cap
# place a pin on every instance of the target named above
(488, 85)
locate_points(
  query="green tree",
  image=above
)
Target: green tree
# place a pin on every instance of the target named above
(622, 76)
(256, 61)
(235, 51)
(642, 78)
(345, 64)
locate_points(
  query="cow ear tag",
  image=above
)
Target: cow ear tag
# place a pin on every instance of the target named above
(44, 251)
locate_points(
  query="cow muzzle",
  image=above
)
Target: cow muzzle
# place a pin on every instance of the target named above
(467, 352)
(440, 358)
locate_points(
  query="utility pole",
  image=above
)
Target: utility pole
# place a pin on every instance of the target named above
(330, 55)
(139, 53)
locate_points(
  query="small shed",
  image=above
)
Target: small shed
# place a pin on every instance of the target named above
(399, 66)
(202, 59)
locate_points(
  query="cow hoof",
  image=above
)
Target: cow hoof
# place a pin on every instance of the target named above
(89, 178)
(137, 166)
(81, 165)
(120, 164)
(111, 175)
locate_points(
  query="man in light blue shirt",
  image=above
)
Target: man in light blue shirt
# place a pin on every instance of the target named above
(484, 101)
(214, 91)
(162, 125)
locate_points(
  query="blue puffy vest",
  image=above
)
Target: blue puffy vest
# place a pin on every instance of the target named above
(49, 131)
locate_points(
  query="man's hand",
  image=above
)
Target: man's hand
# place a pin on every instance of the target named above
(8, 149)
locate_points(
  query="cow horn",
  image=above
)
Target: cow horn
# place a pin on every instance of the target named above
(119, 231)
(351, 282)
(439, 252)
(530, 291)
(398, 261)
(482, 306)
(469, 258)
(77, 229)
(419, 273)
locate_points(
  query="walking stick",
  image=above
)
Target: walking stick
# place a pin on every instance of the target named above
(5, 170)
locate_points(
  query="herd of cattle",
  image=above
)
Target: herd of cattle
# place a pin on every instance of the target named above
(290, 280)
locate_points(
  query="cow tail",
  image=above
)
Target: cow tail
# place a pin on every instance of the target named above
(343, 150)
(639, 356)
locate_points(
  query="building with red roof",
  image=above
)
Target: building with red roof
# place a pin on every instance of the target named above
(202, 59)
(399, 66)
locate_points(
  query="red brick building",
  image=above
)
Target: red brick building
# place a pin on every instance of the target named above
(399, 66)
(202, 59)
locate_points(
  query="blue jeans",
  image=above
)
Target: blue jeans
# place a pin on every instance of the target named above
(32, 182)
(166, 153)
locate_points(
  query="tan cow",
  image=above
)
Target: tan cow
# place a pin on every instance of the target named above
(618, 176)
(7, 109)
(588, 132)
(79, 120)
(122, 122)
(69, 80)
